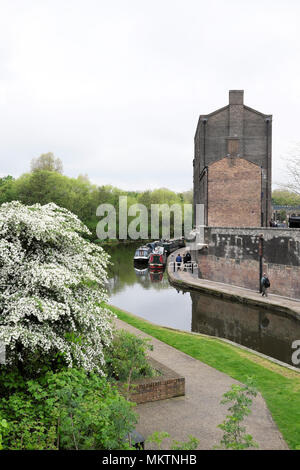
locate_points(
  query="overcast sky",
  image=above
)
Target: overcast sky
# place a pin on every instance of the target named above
(114, 88)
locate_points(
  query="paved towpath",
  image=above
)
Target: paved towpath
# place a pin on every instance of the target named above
(274, 302)
(199, 412)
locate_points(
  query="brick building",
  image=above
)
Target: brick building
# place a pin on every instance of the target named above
(232, 165)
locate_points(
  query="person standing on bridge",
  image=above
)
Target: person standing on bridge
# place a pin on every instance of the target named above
(265, 283)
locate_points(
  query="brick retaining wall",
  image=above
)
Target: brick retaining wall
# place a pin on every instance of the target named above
(167, 385)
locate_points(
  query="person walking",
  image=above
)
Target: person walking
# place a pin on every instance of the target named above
(265, 283)
(186, 259)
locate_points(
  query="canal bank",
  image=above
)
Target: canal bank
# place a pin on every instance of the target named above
(275, 303)
(199, 411)
(152, 296)
(279, 386)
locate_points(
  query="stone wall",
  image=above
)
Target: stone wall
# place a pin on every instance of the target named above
(232, 257)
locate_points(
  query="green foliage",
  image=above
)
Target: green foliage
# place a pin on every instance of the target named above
(46, 183)
(7, 189)
(278, 386)
(75, 194)
(48, 162)
(281, 216)
(283, 197)
(158, 437)
(3, 430)
(126, 358)
(67, 410)
(234, 436)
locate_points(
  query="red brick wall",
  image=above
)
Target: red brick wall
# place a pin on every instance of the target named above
(167, 385)
(234, 193)
(158, 390)
(284, 279)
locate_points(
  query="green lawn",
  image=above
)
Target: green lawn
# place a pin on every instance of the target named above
(279, 386)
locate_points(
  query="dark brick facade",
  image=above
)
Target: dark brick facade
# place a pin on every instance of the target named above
(235, 132)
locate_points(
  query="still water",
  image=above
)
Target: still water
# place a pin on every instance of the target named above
(150, 296)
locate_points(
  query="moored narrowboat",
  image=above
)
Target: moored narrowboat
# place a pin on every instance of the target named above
(158, 258)
(142, 254)
(173, 244)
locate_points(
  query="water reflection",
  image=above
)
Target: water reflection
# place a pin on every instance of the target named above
(263, 331)
(144, 293)
(123, 272)
(149, 295)
(156, 276)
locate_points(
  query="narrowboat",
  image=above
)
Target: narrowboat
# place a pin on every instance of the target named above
(173, 244)
(158, 258)
(294, 222)
(142, 254)
(154, 244)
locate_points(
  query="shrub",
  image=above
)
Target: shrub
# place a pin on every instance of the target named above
(235, 436)
(69, 410)
(126, 358)
(3, 430)
(51, 290)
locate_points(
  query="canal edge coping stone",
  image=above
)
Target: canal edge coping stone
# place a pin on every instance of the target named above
(216, 338)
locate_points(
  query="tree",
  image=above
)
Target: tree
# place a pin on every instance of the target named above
(283, 197)
(7, 189)
(47, 161)
(234, 434)
(77, 195)
(292, 162)
(52, 288)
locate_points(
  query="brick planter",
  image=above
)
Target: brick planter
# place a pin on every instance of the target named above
(167, 385)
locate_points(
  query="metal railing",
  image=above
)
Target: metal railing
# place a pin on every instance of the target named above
(190, 266)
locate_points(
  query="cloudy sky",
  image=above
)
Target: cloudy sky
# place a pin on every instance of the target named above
(114, 88)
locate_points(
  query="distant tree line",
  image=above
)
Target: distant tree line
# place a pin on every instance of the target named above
(46, 183)
(285, 197)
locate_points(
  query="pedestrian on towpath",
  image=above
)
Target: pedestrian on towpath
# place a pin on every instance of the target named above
(265, 283)
(178, 261)
(187, 259)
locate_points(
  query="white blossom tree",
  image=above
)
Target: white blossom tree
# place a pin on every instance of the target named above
(51, 287)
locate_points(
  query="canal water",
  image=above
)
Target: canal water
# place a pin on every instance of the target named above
(151, 296)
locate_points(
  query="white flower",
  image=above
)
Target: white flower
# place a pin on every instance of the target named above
(51, 285)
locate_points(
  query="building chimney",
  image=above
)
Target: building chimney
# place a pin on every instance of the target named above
(236, 96)
(236, 114)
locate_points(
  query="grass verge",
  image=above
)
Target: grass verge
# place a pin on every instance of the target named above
(279, 386)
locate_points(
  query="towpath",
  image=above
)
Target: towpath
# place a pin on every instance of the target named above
(190, 280)
(199, 412)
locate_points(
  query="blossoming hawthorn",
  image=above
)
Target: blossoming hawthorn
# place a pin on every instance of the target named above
(51, 287)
